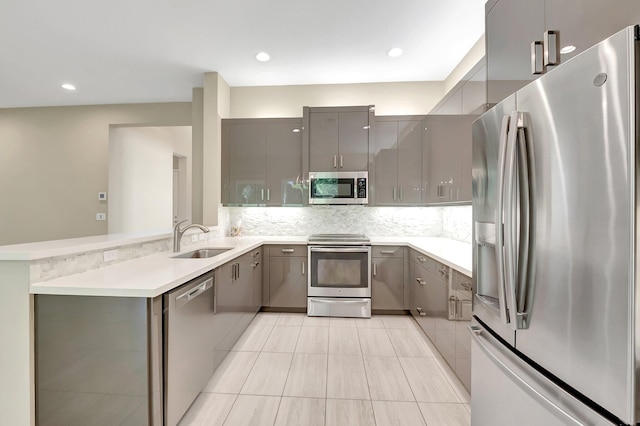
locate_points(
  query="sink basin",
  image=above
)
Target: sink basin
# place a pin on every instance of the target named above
(202, 253)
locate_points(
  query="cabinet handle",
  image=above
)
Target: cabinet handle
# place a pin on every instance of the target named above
(289, 250)
(233, 272)
(341, 162)
(420, 281)
(421, 258)
(256, 253)
(387, 251)
(551, 47)
(335, 161)
(453, 311)
(303, 267)
(466, 285)
(375, 269)
(394, 193)
(401, 193)
(420, 312)
(262, 194)
(255, 264)
(268, 194)
(444, 272)
(537, 62)
(238, 269)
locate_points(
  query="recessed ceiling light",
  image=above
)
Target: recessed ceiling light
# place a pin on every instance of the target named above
(296, 130)
(395, 52)
(263, 56)
(567, 49)
(68, 86)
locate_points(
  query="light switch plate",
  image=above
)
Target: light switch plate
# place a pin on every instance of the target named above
(101, 216)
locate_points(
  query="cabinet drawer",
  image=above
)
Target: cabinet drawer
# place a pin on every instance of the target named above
(460, 281)
(387, 251)
(430, 264)
(288, 250)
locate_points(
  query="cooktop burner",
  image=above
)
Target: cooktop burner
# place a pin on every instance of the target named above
(339, 239)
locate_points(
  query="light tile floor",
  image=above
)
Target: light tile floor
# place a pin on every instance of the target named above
(290, 369)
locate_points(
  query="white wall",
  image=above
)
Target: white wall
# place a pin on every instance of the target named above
(140, 196)
(287, 101)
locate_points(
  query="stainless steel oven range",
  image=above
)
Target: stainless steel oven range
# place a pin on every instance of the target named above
(339, 283)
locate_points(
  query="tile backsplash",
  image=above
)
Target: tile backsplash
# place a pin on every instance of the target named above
(452, 222)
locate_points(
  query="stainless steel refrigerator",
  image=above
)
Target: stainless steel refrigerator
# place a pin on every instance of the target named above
(555, 329)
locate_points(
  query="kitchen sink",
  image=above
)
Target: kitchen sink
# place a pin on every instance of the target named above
(202, 253)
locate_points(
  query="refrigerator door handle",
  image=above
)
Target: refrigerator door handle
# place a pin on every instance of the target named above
(526, 222)
(499, 246)
(477, 336)
(511, 222)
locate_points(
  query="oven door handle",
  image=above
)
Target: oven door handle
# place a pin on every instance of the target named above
(340, 249)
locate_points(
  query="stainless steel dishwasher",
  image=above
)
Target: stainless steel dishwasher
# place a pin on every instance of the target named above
(189, 313)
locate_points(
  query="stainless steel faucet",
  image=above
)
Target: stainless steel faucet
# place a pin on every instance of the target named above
(178, 233)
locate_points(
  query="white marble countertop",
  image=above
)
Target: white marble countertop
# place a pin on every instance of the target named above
(45, 249)
(153, 275)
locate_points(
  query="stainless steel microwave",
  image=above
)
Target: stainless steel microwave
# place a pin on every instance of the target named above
(339, 187)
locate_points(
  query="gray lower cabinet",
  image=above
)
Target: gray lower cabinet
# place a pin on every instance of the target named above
(442, 136)
(287, 285)
(387, 278)
(397, 160)
(441, 304)
(338, 138)
(236, 283)
(262, 162)
(98, 360)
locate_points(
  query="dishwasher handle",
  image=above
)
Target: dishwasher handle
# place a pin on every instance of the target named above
(193, 292)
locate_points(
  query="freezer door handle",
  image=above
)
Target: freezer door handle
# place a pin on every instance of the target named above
(478, 338)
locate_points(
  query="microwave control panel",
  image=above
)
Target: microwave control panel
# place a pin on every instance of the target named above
(362, 187)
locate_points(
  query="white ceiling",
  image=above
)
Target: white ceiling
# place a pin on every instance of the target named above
(129, 51)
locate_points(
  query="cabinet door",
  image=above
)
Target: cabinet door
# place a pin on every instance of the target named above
(244, 283)
(387, 283)
(287, 282)
(443, 134)
(463, 185)
(511, 26)
(247, 153)
(284, 162)
(410, 162)
(257, 282)
(353, 130)
(323, 141)
(385, 161)
(584, 23)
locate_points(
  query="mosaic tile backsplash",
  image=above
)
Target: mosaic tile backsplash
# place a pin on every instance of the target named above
(452, 222)
(449, 222)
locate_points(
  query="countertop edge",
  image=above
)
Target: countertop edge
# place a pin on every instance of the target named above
(182, 271)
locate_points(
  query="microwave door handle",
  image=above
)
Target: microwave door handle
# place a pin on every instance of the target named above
(499, 247)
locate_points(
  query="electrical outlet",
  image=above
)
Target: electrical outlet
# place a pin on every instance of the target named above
(101, 216)
(102, 196)
(194, 238)
(110, 255)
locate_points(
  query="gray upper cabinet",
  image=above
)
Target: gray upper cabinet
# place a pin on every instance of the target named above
(442, 136)
(397, 160)
(338, 138)
(284, 163)
(247, 150)
(262, 162)
(513, 25)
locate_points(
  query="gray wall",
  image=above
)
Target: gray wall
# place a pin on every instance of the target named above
(54, 162)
